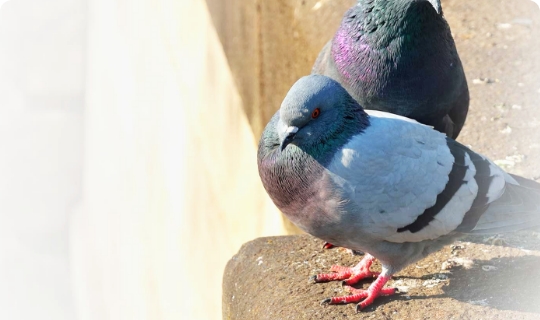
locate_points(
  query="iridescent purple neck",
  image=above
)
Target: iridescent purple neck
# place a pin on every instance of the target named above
(347, 52)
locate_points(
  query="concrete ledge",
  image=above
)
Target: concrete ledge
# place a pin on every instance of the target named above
(268, 279)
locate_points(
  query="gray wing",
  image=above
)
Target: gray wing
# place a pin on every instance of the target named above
(403, 183)
(407, 183)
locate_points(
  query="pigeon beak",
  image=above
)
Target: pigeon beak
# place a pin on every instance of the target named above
(291, 132)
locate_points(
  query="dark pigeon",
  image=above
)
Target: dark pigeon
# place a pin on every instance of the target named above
(398, 56)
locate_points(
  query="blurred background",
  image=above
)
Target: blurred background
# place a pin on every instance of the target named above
(128, 136)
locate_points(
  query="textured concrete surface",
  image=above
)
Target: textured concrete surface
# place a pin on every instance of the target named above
(499, 43)
(268, 279)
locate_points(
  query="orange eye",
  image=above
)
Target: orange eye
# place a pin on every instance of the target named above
(315, 113)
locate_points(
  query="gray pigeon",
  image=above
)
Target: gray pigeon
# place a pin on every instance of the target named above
(381, 183)
(399, 56)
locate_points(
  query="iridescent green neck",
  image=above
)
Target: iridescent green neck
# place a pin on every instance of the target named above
(322, 149)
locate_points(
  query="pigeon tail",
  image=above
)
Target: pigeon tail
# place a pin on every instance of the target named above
(517, 209)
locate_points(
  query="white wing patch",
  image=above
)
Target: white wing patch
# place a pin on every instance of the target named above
(393, 171)
(382, 114)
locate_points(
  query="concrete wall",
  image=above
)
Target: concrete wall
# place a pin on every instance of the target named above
(171, 188)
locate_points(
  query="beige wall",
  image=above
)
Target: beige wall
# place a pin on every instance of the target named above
(171, 188)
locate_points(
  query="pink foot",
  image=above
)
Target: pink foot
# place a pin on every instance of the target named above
(375, 290)
(350, 275)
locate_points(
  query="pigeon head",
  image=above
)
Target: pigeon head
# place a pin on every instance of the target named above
(316, 112)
